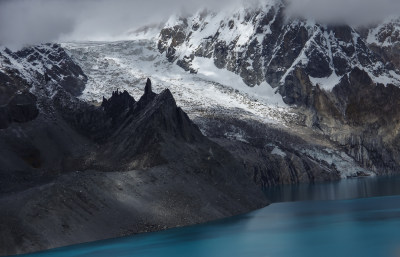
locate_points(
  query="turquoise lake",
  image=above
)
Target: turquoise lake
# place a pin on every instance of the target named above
(354, 217)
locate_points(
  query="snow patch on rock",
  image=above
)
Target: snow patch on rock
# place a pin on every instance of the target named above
(278, 151)
(327, 83)
(206, 69)
(342, 162)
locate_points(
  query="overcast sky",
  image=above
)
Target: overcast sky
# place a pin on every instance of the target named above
(35, 21)
(353, 12)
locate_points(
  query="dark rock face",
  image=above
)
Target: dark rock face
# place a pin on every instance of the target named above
(21, 108)
(132, 134)
(384, 40)
(358, 114)
(144, 127)
(289, 165)
(24, 71)
(177, 36)
(349, 105)
(50, 62)
(373, 110)
(142, 164)
(272, 48)
(147, 97)
(117, 104)
(148, 89)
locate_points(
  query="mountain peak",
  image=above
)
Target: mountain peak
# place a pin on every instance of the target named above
(118, 103)
(147, 88)
(148, 95)
(264, 45)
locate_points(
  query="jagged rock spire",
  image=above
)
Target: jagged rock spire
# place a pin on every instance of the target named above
(118, 104)
(147, 88)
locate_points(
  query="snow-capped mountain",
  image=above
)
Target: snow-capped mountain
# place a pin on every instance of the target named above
(222, 105)
(344, 80)
(239, 99)
(43, 63)
(122, 65)
(251, 75)
(385, 34)
(27, 74)
(262, 44)
(105, 162)
(384, 39)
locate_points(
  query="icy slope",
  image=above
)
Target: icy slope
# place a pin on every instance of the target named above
(261, 44)
(384, 39)
(218, 100)
(385, 34)
(37, 65)
(124, 65)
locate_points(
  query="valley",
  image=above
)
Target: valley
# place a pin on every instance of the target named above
(207, 115)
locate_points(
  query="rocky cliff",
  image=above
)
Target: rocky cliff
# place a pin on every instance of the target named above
(72, 172)
(261, 43)
(23, 71)
(344, 80)
(384, 40)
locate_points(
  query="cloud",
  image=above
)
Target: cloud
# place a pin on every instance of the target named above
(35, 21)
(352, 12)
(32, 21)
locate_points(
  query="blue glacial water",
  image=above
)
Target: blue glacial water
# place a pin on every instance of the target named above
(358, 217)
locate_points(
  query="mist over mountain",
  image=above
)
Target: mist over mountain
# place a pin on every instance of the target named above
(348, 12)
(24, 22)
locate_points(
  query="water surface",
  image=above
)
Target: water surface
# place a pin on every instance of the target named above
(336, 190)
(368, 226)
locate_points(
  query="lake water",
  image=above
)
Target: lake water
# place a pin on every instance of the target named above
(356, 217)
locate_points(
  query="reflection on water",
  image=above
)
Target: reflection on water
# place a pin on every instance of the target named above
(338, 190)
(356, 227)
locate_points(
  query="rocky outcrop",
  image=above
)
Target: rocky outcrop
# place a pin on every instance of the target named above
(50, 63)
(148, 130)
(272, 47)
(274, 155)
(124, 167)
(343, 79)
(23, 72)
(358, 114)
(21, 108)
(384, 40)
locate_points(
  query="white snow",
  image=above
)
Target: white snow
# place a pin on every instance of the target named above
(327, 83)
(29, 69)
(240, 35)
(346, 165)
(386, 78)
(125, 65)
(236, 136)
(235, 28)
(302, 58)
(278, 151)
(263, 92)
(390, 25)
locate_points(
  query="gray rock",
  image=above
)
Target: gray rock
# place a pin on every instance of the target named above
(292, 51)
(143, 166)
